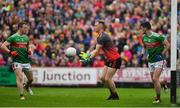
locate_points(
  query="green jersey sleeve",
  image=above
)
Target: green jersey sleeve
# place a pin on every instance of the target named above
(10, 39)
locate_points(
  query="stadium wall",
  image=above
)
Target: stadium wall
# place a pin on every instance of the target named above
(81, 76)
(91, 76)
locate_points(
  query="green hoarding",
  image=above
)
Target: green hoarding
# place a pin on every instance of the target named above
(7, 77)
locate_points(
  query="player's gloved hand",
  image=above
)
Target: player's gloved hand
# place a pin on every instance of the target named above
(87, 61)
(84, 56)
(13, 53)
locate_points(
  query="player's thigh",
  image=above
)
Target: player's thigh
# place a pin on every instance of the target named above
(105, 68)
(110, 73)
(159, 67)
(151, 68)
(17, 69)
(29, 74)
(28, 71)
(151, 73)
(157, 72)
(19, 73)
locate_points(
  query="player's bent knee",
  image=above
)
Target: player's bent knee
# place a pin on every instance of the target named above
(102, 79)
(31, 80)
(107, 80)
(154, 79)
(19, 78)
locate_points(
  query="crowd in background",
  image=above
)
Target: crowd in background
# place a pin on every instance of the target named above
(58, 24)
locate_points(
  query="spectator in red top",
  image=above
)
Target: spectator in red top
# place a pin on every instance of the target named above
(2, 61)
(73, 62)
(126, 54)
(98, 62)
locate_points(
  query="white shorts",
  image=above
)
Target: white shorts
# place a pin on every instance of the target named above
(159, 64)
(21, 66)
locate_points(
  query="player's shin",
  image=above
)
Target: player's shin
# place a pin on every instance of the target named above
(112, 86)
(29, 82)
(157, 86)
(29, 76)
(112, 89)
(19, 82)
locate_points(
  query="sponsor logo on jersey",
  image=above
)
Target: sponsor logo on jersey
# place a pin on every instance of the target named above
(19, 45)
(152, 45)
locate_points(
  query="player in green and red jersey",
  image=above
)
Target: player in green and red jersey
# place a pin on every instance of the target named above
(113, 59)
(19, 51)
(156, 46)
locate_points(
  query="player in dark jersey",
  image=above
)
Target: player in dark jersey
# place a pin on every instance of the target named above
(19, 51)
(113, 60)
(156, 46)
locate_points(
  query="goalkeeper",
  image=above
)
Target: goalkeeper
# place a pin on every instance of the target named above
(19, 51)
(113, 60)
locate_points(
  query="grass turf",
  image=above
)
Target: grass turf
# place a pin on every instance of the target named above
(81, 97)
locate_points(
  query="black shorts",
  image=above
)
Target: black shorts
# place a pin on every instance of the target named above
(114, 64)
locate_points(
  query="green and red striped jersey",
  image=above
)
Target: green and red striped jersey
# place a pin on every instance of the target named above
(20, 44)
(154, 45)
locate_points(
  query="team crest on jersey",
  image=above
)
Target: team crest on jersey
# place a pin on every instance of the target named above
(17, 40)
(149, 40)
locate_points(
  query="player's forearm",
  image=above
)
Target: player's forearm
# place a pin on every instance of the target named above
(166, 48)
(93, 53)
(4, 47)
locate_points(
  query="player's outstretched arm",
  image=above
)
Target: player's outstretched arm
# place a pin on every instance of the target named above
(96, 51)
(87, 57)
(4, 46)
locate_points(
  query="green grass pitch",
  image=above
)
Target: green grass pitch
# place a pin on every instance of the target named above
(81, 97)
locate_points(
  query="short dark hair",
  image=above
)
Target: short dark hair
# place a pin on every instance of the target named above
(21, 24)
(102, 22)
(146, 25)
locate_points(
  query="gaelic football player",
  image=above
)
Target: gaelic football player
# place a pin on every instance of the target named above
(19, 51)
(156, 46)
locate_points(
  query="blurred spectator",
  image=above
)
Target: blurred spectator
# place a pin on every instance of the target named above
(73, 62)
(98, 62)
(58, 24)
(126, 54)
(2, 62)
